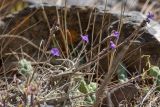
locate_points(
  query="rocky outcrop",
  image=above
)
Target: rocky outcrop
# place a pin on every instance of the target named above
(130, 4)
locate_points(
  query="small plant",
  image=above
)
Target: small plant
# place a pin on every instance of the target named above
(86, 89)
(122, 74)
(154, 71)
(25, 68)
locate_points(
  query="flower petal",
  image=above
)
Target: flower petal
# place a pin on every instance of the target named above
(55, 52)
(112, 45)
(85, 38)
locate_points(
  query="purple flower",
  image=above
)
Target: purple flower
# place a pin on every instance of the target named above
(150, 16)
(85, 38)
(55, 52)
(112, 45)
(116, 34)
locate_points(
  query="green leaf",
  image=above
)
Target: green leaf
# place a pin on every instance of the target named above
(89, 100)
(83, 88)
(122, 73)
(25, 67)
(92, 87)
(154, 71)
(88, 88)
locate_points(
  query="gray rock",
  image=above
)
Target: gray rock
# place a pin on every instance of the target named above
(62, 2)
(120, 95)
(90, 3)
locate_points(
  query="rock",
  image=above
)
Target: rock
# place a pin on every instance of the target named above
(40, 32)
(130, 4)
(149, 40)
(89, 3)
(121, 95)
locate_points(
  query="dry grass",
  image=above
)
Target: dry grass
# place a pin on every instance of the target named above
(48, 80)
